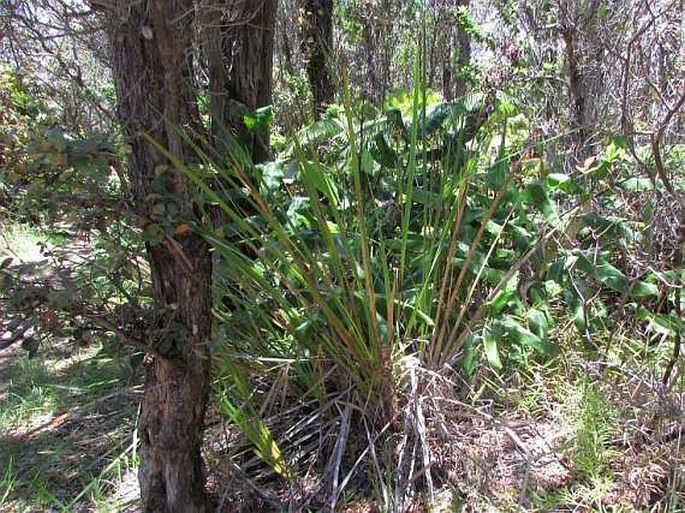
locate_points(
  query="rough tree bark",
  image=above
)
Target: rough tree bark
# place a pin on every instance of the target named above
(239, 45)
(575, 81)
(252, 38)
(463, 56)
(450, 49)
(151, 43)
(152, 47)
(316, 43)
(573, 22)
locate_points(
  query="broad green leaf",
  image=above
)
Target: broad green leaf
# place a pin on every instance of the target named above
(491, 351)
(496, 176)
(553, 288)
(620, 141)
(537, 321)
(521, 335)
(277, 173)
(538, 197)
(500, 301)
(436, 117)
(563, 182)
(504, 296)
(318, 175)
(470, 359)
(427, 198)
(383, 153)
(635, 184)
(614, 152)
(642, 289)
(580, 318)
(663, 324)
(318, 132)
(556, 273)
(259, 120)
(612, 277)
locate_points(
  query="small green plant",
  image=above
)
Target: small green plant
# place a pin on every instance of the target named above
(590, 450)
(8, 481)
(28, 393)
(586, 496)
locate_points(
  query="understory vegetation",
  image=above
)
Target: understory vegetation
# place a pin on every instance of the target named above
(464, 298)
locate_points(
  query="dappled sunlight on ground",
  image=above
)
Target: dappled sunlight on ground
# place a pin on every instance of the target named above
(66, 441)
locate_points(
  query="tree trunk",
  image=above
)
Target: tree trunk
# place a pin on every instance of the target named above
(250, 35)
(569, 17)
(447, 71)
(316, 34)
(238, 44)
(151, 43)
(463, 56)
(171, 475)
(575, 82)
(374, 83)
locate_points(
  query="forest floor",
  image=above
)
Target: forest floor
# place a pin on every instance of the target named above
(67, 413)
(580, 433)
(68, 443)
(570, 436)
(67, 420)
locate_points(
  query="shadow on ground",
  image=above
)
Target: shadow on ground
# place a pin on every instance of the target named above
(68, 430)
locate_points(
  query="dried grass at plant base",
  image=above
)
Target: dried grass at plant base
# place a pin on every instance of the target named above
(488, 453)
